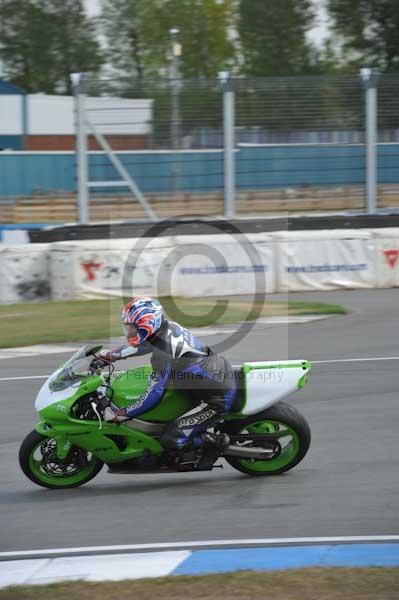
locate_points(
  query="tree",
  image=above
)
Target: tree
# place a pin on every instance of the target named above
(138, 32)
(43, 41)
(121, 20)
(369, 29)
(74, 40)
(273, 37)
(24, 50)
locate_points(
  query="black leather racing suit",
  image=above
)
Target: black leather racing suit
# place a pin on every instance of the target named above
(183, 361)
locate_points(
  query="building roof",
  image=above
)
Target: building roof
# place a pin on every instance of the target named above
(10, 88)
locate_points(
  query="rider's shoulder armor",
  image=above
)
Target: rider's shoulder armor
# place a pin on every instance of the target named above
(179, 342)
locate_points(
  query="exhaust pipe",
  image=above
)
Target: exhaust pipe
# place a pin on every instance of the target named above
(244, 452)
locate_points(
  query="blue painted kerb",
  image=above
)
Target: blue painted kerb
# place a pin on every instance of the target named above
(290, 557)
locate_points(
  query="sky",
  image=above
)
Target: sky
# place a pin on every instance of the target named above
(316, 35)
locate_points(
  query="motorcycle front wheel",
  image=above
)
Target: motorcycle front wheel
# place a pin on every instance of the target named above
(39, 462)
(289, 435)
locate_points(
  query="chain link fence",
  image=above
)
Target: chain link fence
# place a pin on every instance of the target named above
(299, 144)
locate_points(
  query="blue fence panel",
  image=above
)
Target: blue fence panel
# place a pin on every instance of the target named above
(388, 163)
(266, 167)
(24, 174)
(263, 167)
(164, 171)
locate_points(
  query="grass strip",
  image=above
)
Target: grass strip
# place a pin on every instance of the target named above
(48, 322)
(303, 584)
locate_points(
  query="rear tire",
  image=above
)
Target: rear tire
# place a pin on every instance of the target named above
(34, 470)
(281, 418)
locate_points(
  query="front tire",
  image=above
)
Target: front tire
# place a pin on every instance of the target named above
(292, 433)
(38, 461)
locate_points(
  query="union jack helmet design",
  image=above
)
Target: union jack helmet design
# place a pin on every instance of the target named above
(146, 315)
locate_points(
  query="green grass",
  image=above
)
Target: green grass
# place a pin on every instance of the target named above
(304, 584)
(46, 322)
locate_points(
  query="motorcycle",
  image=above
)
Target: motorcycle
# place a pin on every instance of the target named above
(72, 442)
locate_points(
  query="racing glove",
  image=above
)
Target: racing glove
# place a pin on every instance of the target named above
(103, 359)
(108, 356)
(113, 414)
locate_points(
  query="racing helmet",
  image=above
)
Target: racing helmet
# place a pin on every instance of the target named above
(141, 318)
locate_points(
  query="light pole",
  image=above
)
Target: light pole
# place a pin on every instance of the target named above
(227, 83)
(78, 86)
(176, 51)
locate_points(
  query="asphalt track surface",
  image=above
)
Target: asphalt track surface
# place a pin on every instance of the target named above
(347, 485)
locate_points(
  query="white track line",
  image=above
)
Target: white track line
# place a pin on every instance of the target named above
(202, 544)
(37, 350)
(314, 362)
(344, 360)
(24, 377)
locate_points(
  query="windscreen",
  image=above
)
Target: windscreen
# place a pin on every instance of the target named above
(73, 371)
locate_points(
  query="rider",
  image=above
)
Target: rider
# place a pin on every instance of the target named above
(178, 359)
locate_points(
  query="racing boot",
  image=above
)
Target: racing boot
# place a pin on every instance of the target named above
(213, 445)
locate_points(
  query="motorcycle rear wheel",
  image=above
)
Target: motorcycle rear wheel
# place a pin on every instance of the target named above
(292, 434)
(54, 475)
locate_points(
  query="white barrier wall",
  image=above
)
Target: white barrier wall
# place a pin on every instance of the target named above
(195, 266)
(222, 265)
(182, 266)
(387, 256)
(325, 260)
(24, 273)
(96, 268)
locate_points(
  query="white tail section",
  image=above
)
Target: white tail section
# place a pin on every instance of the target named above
(268, 382)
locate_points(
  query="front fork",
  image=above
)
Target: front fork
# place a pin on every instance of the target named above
(63, 444)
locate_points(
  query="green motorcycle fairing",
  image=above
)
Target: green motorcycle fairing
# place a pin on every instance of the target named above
(128, 386)
(110, 442)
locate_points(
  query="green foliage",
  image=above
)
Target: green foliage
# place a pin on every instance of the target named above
(138, 33)
(370, 32)
(24, 50)
(73, 39)
(299, 103)
(121, 22)
(43, 41)
(273, 37)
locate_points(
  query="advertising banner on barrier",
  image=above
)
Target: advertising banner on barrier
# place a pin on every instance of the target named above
(222, 265)
(192, 266)
(387, 256)
(183, 266)
(325, 260)
(24, 273)
(100, 268)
